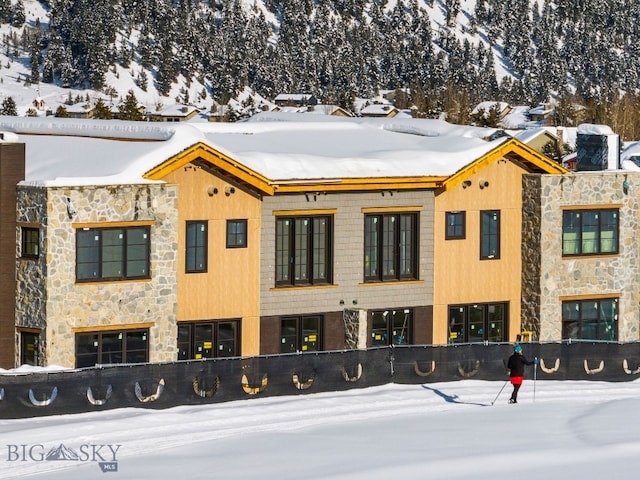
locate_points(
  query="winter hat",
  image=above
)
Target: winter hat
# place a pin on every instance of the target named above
(517, 349)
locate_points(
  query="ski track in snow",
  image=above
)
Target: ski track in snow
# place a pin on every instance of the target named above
(147, 430)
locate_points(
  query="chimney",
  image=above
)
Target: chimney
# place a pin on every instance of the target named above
(598, 148)
(12, 160)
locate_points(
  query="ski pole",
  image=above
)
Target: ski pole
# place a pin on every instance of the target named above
(505, 384)
(535, 371)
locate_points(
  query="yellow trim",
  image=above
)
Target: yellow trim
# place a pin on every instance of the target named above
(137, 223)
(391, 209)
(113, 327)
(360, 184)
(29, 225)
(527, 154)
(287, 213)
(301, 287)
(601, 206)
(215, 158)
(595, 296)
(387, 284)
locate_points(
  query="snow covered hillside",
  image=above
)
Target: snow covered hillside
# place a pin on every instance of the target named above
(560, 430)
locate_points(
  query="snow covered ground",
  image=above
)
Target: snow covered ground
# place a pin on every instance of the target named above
(571, 429)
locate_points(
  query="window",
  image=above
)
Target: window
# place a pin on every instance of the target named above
(590, 319)
(391, 327)
(303, 250)
(112, 254)
(29, 348)
(215, 339)
(489, 234)
(390, 247)
(301, 334)
(589, 232)
(455, 227)
(236, 234)
(478, 323)
(196, 247)
(30, 242)
(125, 346)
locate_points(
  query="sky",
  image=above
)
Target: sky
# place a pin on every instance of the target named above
(451, 430)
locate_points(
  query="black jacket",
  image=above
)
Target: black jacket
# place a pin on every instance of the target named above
(516, 364)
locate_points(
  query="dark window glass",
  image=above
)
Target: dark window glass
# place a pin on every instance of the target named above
(390, 247)
(490, 235)
(236, 234)
(196, 247)
(29, 348)
(590, 232)
(213, 339)
(112, 254)
(455, 227)
(590, 319)
(303, 250)
(30, 242)
(478, 323)
(126, 346)
(301, 334)
(391, 327)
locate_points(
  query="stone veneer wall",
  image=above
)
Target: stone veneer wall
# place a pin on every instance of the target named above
(531, 254)
(66, 305)
(618, 275)
(31, 273)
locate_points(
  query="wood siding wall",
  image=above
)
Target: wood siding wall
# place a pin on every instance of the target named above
(461, 277)
(230, 287)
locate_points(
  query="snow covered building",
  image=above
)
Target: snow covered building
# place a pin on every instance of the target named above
(156, 242)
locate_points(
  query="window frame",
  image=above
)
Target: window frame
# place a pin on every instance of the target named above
(188, 347)
(306, 249)
(581, 321)
(464, 318)
(583, 227)
(122, 251)
(238, 237)
(386, 254)
(194, 248)
(456, 230)
(386, 335)
(28, 243)
(302, 340)
(490, 239)
(125, 352)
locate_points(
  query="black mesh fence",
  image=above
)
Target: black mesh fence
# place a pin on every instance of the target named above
(210, 381)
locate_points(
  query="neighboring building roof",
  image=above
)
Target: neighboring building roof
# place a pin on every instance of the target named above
(379, 110)
(503, 107)
(271, 149)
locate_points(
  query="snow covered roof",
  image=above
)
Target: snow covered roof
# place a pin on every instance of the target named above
(279, 147)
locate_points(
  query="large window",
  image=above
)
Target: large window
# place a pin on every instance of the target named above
(112, 253)
(589, 232)
(303, 250)
(455, 225)
(214, 339)
(391, 327)
(590, 319)
(301, 334)
(390, 247)
(124, 346)
(30, 242)
(489, 234)
(196, 251)
(478, 323)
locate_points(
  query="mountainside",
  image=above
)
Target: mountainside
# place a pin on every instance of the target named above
(451, 54)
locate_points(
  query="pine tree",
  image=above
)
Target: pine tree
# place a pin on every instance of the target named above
(128, 109)
(102, 111)
(8, 107)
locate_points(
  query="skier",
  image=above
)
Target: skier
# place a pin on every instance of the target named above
(516, 364)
